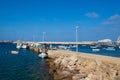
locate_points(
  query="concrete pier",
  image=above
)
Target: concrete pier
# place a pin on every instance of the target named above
(63, 42)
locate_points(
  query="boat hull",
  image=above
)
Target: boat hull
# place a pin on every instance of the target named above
(14, 52)
(18, 46)
(43, 55)
(24, 46)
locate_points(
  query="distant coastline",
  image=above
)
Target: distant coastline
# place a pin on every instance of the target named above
(10, 41)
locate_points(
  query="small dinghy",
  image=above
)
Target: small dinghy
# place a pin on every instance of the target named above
(14, 52)
(43, 55)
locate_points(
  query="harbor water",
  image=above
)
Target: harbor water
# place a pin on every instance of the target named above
(99, 50)
(22, 66)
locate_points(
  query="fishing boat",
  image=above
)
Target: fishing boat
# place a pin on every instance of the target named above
(43, 55)
(14, 52)
(110, 48)
(18, 46)
(93, 46)
(95, 50)
(24, 46)
(74, 46)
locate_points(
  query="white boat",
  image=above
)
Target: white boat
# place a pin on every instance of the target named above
(95, 50)
(62, 47)
(74, 46)
(93, 46)
(43, 55)
(110, 48)
(18, 46)
(14, 52)
(24, 46)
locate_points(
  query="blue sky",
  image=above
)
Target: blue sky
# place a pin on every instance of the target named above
(28, 19)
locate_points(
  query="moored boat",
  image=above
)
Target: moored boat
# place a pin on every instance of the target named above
(18, 46)
(110, 48)
(95, 50)
(43, 55)
(14, 52)
(24, 46)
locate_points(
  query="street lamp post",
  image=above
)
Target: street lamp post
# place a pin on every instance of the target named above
(76, 38)
(43, 36)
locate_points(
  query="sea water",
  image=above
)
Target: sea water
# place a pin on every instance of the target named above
(102, 50)
(88, 49)
(25, 65)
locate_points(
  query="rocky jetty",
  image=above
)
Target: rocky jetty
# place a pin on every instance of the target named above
(68, 65)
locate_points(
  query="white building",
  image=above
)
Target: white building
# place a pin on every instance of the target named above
(105, 41)
(118, 40)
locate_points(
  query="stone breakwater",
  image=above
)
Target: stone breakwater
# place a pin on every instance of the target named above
(67, 65)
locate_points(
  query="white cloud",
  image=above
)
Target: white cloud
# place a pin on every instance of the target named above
(113, 20)
(92, 15)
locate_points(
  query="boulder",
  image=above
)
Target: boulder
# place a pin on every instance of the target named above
(78, 76)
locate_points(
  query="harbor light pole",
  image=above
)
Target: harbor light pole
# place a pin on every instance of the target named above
(43, 36)
(76, 38)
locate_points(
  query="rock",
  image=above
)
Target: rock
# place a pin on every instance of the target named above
(64, 62)
(71, 63)
(92, 65)
(73, 58)
(57, 61)
(78, 76)
(117, 78)
(85, 62)
(64, 74)
(85, 70)
(89, 77)
(73, 67)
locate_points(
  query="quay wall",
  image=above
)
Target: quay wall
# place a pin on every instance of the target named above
(62, 42)
(68, 65)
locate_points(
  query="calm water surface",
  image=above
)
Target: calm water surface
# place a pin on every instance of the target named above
(24, 66)
(102, 50)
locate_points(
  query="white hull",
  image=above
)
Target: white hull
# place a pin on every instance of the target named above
(18, 46)
(24, 46)
(95, 50)
(42, 55)
(14, 52)
(93, 46)
(110, 49)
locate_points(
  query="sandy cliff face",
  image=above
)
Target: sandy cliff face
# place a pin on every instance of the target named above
(66, 65)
